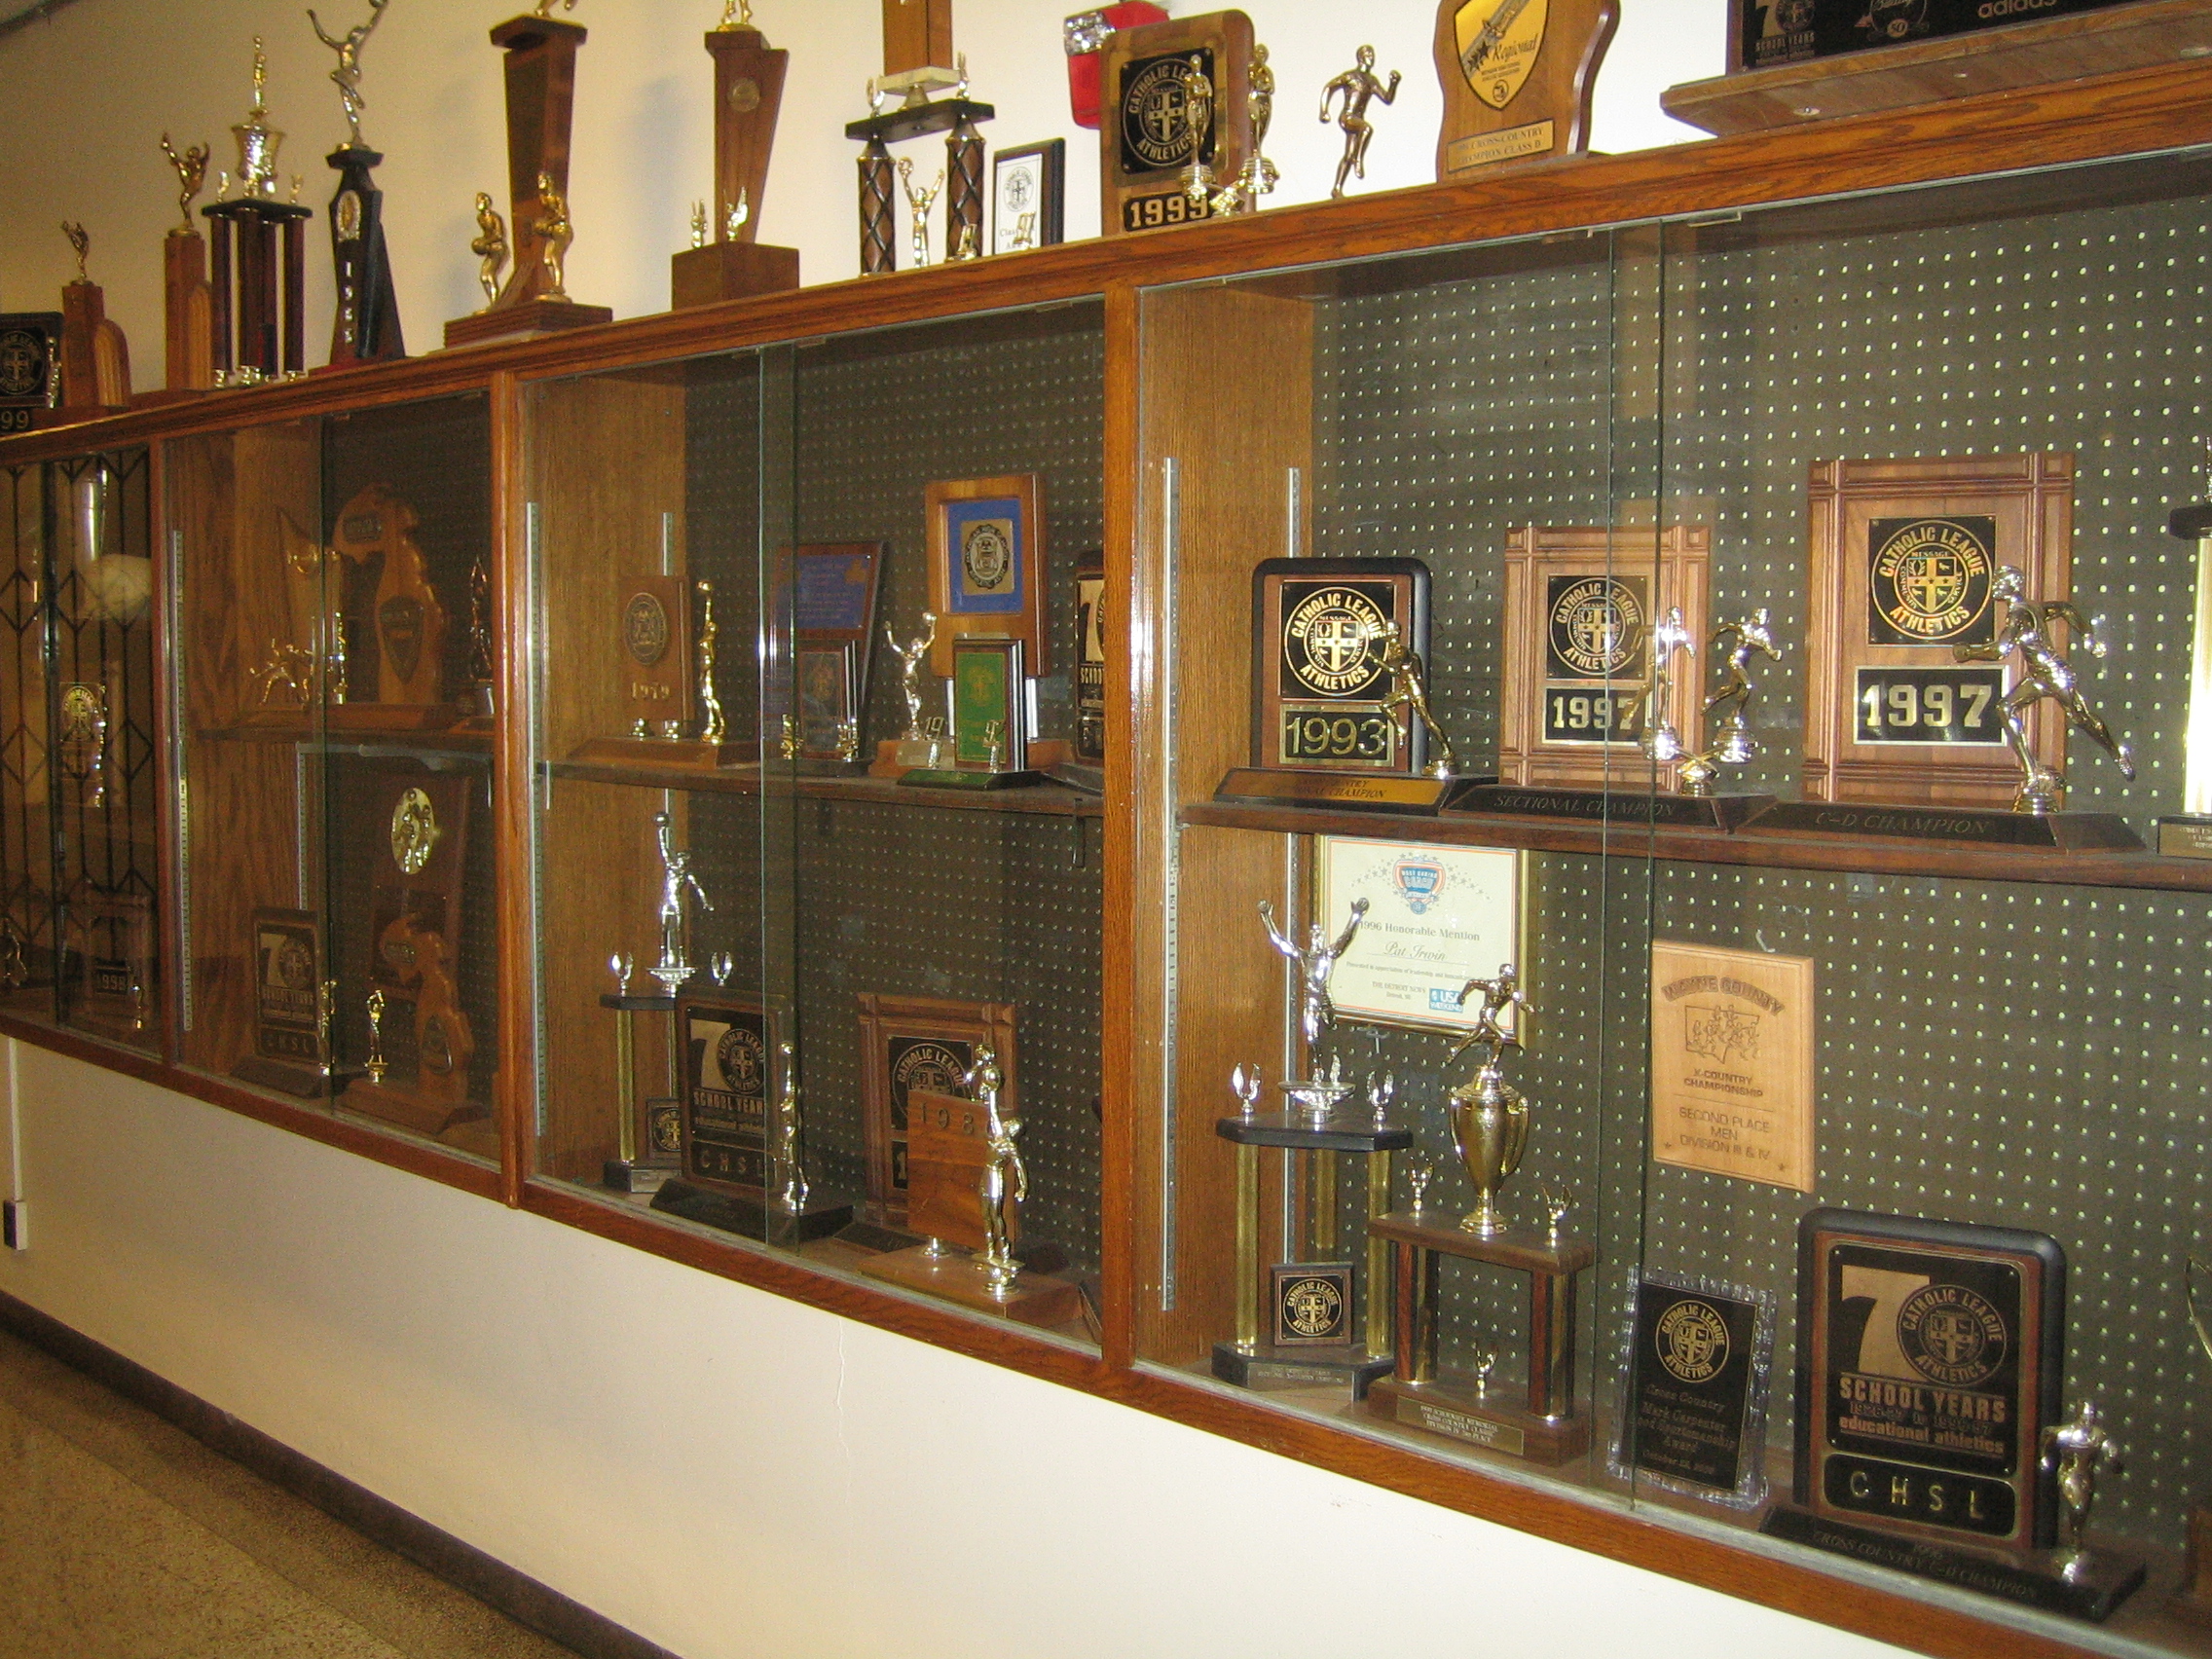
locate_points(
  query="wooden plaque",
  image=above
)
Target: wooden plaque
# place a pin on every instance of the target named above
(1902, 561)
(1146, 137)
(112, 934)
(987, 552)
(401, 620)
(748, 92)
(1732, 1045)
(947, 1151)
(1579, 605)
(832, 619)
(1516, 78)
(1317, 677)
(652, 648)
(287, 982)
(30, 368)
(926, 1044)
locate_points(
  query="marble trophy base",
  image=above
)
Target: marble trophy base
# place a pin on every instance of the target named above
(955, 1276)
(752, 1217)
(1265, 1364)
(2088, 1586)
(729, 271)
(525, 320)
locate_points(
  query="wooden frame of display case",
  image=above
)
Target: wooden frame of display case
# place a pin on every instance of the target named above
(1240, 344)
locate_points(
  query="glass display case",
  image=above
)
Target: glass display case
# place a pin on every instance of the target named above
(818, 876)
(335, 722)
(1681, 949)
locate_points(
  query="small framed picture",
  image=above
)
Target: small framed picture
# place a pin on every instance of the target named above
(986, 549)
(1028, 193)
(989, 707)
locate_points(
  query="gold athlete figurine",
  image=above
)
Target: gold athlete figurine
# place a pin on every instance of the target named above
(1736, 745)
(711, 729)
(1359, 87)
(554, 232)
(1409, 695)
(490, 246)
(191, 178)
(2043, 674)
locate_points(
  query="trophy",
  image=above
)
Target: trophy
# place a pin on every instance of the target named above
(415, 940)
(832, 623)
(1340, 713)
(406, 627)
(1358, 87)
(912, 1048)
(667, 650)
(1727, 706)
(989, 747)
(1516, 78)
(366, 326)
(674, 968)
(1929, 1435)
(1173, 126)
(1316, 963)
(186, 299)
(1258, 176)
(541, 93)
(257, 273)
(95, 358)
(647, 1134)
(966, 1182)
(916, 749)
(1489, 1130)
(917, 45)
(292, 1005)
(724, 261)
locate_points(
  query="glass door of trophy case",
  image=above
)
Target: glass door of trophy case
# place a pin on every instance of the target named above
(819, 880)
(78, 779)
(335, 735)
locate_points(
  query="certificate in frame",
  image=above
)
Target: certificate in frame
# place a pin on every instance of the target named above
(1437, 916)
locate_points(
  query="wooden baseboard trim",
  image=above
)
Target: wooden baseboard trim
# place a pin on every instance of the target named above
(521, 1598)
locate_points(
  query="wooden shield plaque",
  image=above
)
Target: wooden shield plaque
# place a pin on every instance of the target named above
(1579, 605)
(1904, 556)
(1516, 78)
(1150, 129)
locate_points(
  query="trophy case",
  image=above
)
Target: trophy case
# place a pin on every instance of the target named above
(79, 784)
(334, 718)
(785, 937)
(1920, 1004)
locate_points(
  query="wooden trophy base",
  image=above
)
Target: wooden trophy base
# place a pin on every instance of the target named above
(1477, 1417)
(2088, 1586)
(1948, 826)
(1267, 1366)
(957, 1277)
(408, 1109)
(688, 753)
(302, 1082)
(753, 1217)
(627, 1175)
(1342, 792)
(924, 778)
(352, 719)
(729, 271)
(524, 320)
(1619, 806)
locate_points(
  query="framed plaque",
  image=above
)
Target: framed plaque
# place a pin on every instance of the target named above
(654, 654)
(1929, 1365)
(986, 553)
(729, 1078)
(1697, 1363)
(989, 707)
(947, 1150)
(1902, 559)
(1029, 195)
(288, 1035)
(1732, 1048)
(1579, 605)
(1771, 32)
(926, 1044)
(1151, 129)
(30, 367)
(833, 595)
(1090, 658)
(1437, 916)
(1516, 78)
(113, 937)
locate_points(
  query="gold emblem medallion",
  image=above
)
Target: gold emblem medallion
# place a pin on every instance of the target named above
(415, 832)
(1326, 643)
(645, 629)
(986, 555)
(1950, 1335)
(1692, 1342)
(1312, 1307)
(1499, 41)
(1597, 628)
(1927, 580)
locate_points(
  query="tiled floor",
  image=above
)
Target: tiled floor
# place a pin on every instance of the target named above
(123, 1539)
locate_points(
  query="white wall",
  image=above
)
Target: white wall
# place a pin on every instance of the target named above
(734, 1475)
(85, 96)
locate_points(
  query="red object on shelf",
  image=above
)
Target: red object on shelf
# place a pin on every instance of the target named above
(1085, 32)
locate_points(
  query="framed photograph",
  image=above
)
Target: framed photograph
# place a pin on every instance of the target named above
(1733, 1039)
(926, 1044)
(1028, 196)
(1697, 1355)
(986, 553)
(1437, 916)
(989, 707)
(730, 1076)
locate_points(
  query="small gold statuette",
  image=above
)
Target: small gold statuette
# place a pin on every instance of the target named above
(191, 178)
(1258, 177)
(1420, 1170)
(791, 1144)
(713, 727)
(346, 77)
(82, 242)
(2043, 673)
(736, 15)
(1005, 1180)
(1198, 122)
(698, 224)
(740, 215)
(2075, 1449)
(1316, 962)
(916, 749)
(675, 964)
(1408, 700)
(1728, 735)
(258, 142)
(377, 1064)
(554, 232)
(1490, 1118)
(918, 204)
(1360, 87)
(490, 246)
(325, 1010)
(545, 7)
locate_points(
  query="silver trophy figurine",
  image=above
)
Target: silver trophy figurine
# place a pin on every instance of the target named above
(1729, 739)
(2043, 673)
(915, 749)
(2075, 1449)
(675, 964)
(1490, 1118)
(1315, 963)
(1661, 741)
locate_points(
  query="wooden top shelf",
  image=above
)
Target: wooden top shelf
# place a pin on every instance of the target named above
(1051, 800)
(1627, 839)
